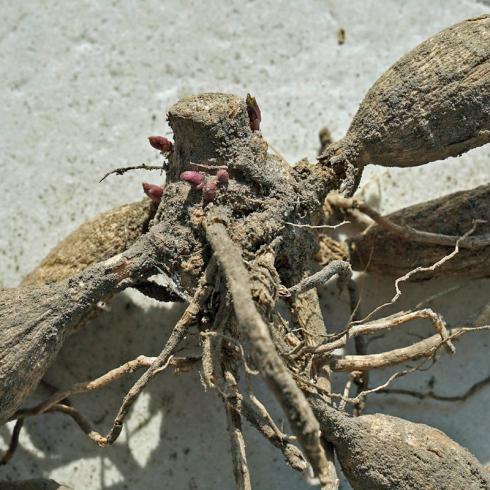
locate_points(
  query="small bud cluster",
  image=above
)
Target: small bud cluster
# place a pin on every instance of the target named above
(196, 179)
(209, 187)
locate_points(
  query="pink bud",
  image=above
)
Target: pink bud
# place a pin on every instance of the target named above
(254, 113)
(209, 191)
(154, 192)
(223, 176)
(161, 143)
(196, 179)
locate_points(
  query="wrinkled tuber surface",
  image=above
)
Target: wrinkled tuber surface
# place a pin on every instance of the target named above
(104, 236)
(431, 104)
(262, 193)
(379, 452)
(35, 320)
(380, 251)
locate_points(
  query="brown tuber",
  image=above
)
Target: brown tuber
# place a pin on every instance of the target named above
(32, 336)
(381, 251)
(379, 452)
(433, 103)
(99, 239)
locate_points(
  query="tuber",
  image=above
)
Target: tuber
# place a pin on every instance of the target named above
(433, 103)
(380, 452)
(379, 250)
(104, 236)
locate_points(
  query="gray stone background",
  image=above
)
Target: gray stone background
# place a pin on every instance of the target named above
(84, 84)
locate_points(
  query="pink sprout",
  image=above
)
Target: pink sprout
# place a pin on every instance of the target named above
(223, 176)
(209, 191)
(161, 143)
(196, 179)
(154, 192)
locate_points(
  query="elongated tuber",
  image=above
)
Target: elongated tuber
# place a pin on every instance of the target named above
(433, 103)
(104, 236)
(379, 452)
(381, 251)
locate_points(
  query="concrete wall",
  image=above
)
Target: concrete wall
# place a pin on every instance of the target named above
(84, 84)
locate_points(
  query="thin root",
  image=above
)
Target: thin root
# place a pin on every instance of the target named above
(123, 170)
(253, 327)
(425, 348)
(406, 232)
(409, 274)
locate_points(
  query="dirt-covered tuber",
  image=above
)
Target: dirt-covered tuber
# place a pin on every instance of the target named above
(379, 452)
(379, 250)
(431, 104)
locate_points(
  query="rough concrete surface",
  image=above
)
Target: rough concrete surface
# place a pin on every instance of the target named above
(84, 84)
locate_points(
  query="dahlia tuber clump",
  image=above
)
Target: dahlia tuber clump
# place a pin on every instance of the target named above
(238, 235)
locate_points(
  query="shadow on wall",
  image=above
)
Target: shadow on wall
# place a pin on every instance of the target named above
(459, 302)
(176, 434)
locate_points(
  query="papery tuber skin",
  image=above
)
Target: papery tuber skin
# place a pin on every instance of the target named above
(380, 251)
(380, 452)
(432, 104)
